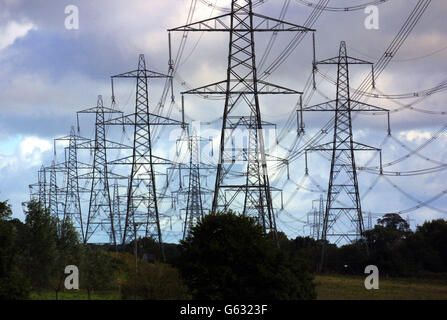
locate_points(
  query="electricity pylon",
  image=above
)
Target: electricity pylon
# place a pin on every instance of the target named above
(343, 206)
(38, 191)
(315, 218)
(194, 210)
(100, 204)
(142, 201)
(242, 86)
(72, 167)
(116, 210)
(55, 192)
(72, 209)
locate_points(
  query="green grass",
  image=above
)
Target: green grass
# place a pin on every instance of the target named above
(330, 287)
(76, 295)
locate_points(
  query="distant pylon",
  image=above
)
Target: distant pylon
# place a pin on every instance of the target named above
(43, 187)
(72, 209)
(242, 86)
(53, 192)
(116, 211)
(194, 203)
(100, 205)
(142, 199)
(343, 208)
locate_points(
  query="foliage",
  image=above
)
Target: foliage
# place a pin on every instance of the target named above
(394, 221)
(40, 246)
(227, 256)
(154, 281)
(13, 285)
(96, 270)
(5, 210)
(68, 252)
(150, 251)
(392, 246)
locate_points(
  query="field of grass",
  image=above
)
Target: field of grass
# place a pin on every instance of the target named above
(76, 295)
(330, 287)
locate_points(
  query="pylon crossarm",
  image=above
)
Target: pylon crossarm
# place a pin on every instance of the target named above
(129, 120)
(211, 24)
(277, 25)
(349, 60)
(325, 106)
(356, 146)
(245, 121)
(220, 88)
(270, 88)
(141, 74)
(355, 106)
(129, 160)
(57, 167)
(73, 137)
(260, 24)
(270, 158)
(100, 109)
(111, 175)
(360, 106)
(111, 145)
(82, 165)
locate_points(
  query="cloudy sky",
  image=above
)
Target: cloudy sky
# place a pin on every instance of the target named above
(49, 72)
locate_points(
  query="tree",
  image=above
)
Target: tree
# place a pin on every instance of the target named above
(431, 238)
(227, 256)
(13, 285)
(154, 281)
(68, 252)
(394, 221)
(40, 246)
(96, 270)
(5, 210)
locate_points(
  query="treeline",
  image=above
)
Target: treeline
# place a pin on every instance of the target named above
(392, 246)
(34, 255)
(226, 256)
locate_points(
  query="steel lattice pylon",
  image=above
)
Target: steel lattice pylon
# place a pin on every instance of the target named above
(116, 210)
(72, 209)
(100, 205)
(343, 219)
(142, 200)
(242, 87)
(53, 199)
(194, 210)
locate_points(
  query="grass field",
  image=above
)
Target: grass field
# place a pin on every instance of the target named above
(76, 295)
(352, 288)
(329, 287)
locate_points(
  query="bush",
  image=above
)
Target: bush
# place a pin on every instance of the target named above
(14, 287)
(154, 281)
(230, 257)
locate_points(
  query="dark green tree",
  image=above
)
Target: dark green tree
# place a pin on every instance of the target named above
(68, 252)
(227, 256)
(13, 286)
(394, 221)
(428, 246)
(96, 270)
(40, 246)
